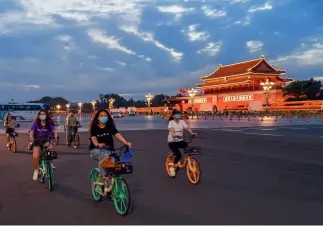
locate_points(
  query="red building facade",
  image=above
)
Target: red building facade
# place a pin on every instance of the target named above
(238, 87)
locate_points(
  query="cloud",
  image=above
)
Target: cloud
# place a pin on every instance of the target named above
(46, 12)
(194, 35)
(111, 42)
(213, 13)
(120, 63)
(107, 69)
(244, 22)
(211, 48)
(64, 38)
(176, 10)
(148, 59)
(265, 7)
(239, 1)
(306, 55)
(149, 37)
(254, 46)
(32, 86)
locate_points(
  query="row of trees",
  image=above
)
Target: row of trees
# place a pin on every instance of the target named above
(298, 90)
(304, 90)
(120, 101)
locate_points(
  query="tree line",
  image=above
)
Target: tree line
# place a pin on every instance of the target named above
(102, 101)
(299, 90)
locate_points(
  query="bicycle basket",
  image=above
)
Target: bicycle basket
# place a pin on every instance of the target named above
(193, 150)
(49, 155)
(123, 168)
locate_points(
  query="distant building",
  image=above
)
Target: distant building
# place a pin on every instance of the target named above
(237, 87)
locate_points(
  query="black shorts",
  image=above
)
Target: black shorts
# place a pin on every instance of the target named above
(9, 130)
(38, 143)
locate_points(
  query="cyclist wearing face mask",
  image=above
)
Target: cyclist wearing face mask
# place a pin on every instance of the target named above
(40, 132)
(102, 130)
(176, 128)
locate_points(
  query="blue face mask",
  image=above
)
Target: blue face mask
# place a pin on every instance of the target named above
(103, 119)
(42, 117)
(177, 116)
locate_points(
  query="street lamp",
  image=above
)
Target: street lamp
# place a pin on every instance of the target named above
(58, 107)
(111, 101)
(67, 107)
(93, 104)
(192, 92)
(149, 97)
(267, 86)
(80, 106)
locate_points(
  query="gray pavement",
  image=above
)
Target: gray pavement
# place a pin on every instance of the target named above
(157, 122)
(250, 176)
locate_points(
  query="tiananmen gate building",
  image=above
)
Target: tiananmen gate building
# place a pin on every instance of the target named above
(237, 87)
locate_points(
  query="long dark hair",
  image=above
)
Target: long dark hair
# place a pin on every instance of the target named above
(48, 121)
(95, 119)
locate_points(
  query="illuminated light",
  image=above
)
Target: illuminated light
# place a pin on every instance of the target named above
(149, 97)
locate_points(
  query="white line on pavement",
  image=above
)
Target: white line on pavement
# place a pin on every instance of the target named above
(265, 134)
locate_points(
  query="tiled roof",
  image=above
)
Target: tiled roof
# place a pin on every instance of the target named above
(238, 68)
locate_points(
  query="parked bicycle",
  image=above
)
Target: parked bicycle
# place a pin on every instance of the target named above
(12, 139)
(75, 137)
(193, 170)
(118, 190)
(45, 170)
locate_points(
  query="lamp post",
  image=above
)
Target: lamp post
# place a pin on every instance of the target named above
(111, 101)
(58, 107)
(149, 97)
(67, 107)
(267, 86)
(191, 93)
(80, 104)
(93, 105)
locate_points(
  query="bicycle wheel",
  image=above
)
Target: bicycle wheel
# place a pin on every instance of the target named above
(193, 170)
(49, 175)
(121, 196)
(94, 187)
(168, 160)
(76, 140)
(13, 144)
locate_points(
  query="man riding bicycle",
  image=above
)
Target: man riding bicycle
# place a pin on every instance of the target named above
(176, 127)
(10, 124)
(70, 125)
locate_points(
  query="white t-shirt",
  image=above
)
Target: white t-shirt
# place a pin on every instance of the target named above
(178, 127)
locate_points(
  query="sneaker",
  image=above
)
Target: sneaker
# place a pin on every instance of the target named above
(35, 174)
(172, 171)
(53, 167)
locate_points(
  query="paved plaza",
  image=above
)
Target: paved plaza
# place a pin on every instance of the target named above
(157, 122)
(253, 175)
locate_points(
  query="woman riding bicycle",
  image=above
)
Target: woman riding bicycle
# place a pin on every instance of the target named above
(102, 129)
(9, 124)
(40, 132)
(176, 127)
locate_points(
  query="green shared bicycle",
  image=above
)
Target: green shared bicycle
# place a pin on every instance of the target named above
(45, 170)
(118, 188)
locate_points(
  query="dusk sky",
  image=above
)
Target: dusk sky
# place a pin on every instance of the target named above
(80, 48)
